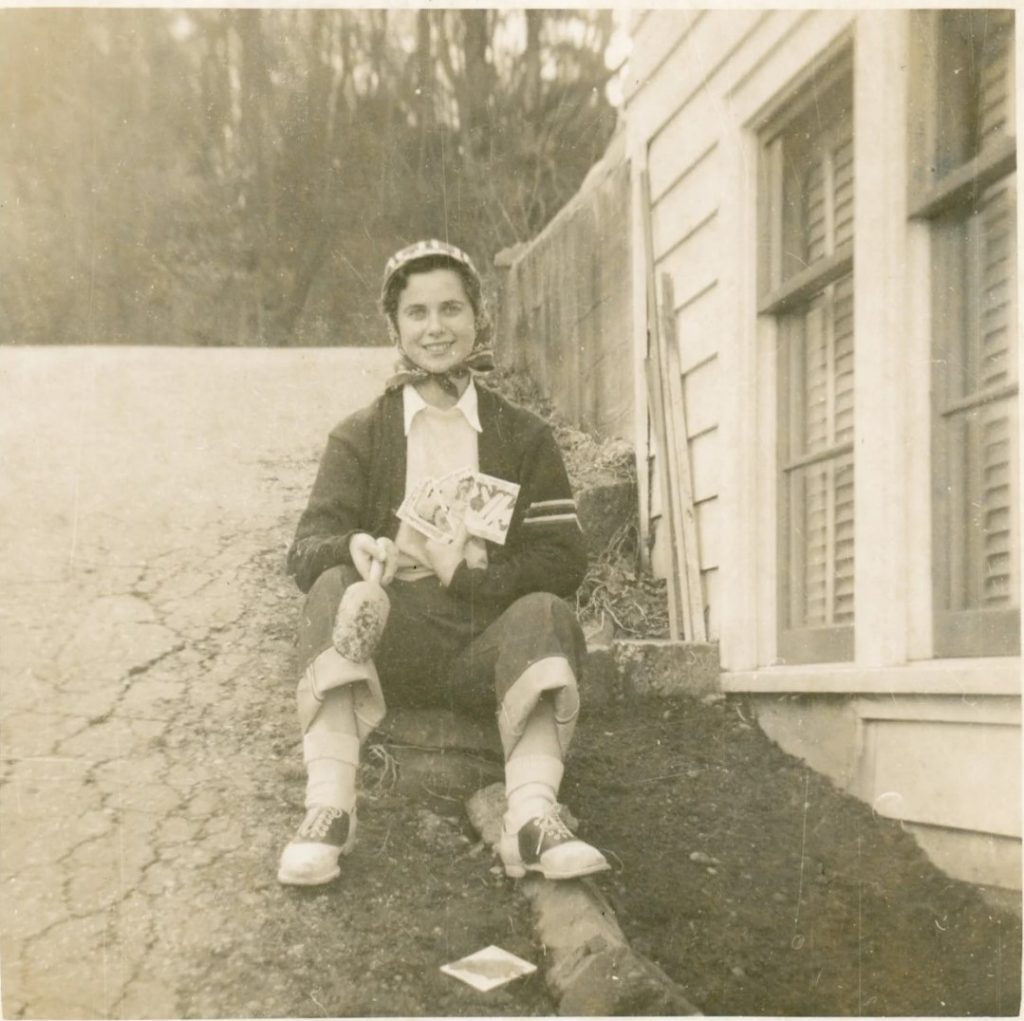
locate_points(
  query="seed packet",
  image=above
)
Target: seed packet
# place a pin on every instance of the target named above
(489, 507)
(483, 503)
(426, 510)
(488, 968)
(456, 488)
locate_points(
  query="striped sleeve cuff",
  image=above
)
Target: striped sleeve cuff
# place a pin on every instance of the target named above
(551, 512)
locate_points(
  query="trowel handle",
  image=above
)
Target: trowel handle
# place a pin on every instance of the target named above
(376, 571)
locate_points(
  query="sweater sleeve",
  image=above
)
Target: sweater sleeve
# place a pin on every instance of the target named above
(332, 515)
(546, 551)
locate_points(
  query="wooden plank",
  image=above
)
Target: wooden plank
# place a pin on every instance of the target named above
(676, 426)
(640, 334)
(654, 391)
(668, 458)
(673, 457)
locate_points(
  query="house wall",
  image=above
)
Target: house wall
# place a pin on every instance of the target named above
(564, 309)
(934, 743)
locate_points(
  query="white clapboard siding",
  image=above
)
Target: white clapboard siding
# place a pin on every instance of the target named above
(683, 142)
(705, 464)
(691, 201)
(699, 326)
(713, 42)
(656, 39)
(774, 35)
(702, 393)
(797, 38)
(711, 603)
(693, 263)
(707, 532)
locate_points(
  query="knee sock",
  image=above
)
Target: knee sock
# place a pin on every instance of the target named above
(533, 771)
(331, 751)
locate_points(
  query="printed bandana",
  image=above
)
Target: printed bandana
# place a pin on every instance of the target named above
(407, 371)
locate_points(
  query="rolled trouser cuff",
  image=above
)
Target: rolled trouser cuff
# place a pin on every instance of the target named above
(331, 670)
(554, 674)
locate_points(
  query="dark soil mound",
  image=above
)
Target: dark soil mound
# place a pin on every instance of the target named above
(763, 889)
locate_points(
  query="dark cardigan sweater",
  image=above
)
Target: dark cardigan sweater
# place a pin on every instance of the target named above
(361, 484)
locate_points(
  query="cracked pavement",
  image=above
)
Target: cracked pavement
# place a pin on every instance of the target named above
(148, 498)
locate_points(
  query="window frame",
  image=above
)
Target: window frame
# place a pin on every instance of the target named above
(785, 300)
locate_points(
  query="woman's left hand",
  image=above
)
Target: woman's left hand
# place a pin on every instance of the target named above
(445, 557)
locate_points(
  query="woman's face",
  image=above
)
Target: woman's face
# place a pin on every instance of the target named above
(436, 322)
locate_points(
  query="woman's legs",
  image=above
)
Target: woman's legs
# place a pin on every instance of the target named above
(532, 655)
(339, 704)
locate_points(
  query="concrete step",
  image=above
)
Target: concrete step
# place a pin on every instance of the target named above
(621, 668)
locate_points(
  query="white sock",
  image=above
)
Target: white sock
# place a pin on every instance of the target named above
(331, 782)
(531, 787)
(330, 748)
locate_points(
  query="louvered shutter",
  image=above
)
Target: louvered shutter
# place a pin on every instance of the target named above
(986, 432)
(842, 190)
(818, 465)
(821, 493)
(994, 113)
(815, 239)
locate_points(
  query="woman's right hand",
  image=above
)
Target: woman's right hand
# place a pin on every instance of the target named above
(365, 550)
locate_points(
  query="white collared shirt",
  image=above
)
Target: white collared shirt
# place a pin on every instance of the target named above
(438, 441)
(467, 404)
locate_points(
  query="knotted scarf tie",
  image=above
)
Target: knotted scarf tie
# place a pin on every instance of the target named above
(407, 371)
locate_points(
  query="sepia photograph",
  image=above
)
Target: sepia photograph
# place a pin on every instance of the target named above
(510, 511)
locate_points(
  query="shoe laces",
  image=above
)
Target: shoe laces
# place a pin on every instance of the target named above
(552, 825)
(318, 821)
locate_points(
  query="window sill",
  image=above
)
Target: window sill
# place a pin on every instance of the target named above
(981, 676)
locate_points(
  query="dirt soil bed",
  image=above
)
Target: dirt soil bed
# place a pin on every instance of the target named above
(763, 889)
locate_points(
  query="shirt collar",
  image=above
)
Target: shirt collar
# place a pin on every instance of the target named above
(413, 403)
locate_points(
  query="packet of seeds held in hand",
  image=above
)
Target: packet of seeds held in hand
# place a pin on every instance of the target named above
(488, 968)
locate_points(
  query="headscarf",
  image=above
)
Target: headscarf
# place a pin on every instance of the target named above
(480, 359)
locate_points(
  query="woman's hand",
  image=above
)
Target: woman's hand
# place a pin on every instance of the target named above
(365, 550)
(445, 557)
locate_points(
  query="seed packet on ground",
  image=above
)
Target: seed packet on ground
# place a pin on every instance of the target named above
(488, 968)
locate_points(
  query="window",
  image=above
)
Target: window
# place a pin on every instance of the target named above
(965, 187)
(807, 287)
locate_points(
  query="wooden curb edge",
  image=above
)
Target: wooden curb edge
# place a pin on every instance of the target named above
(590, 967)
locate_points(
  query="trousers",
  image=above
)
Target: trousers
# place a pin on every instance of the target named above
(443, 652)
